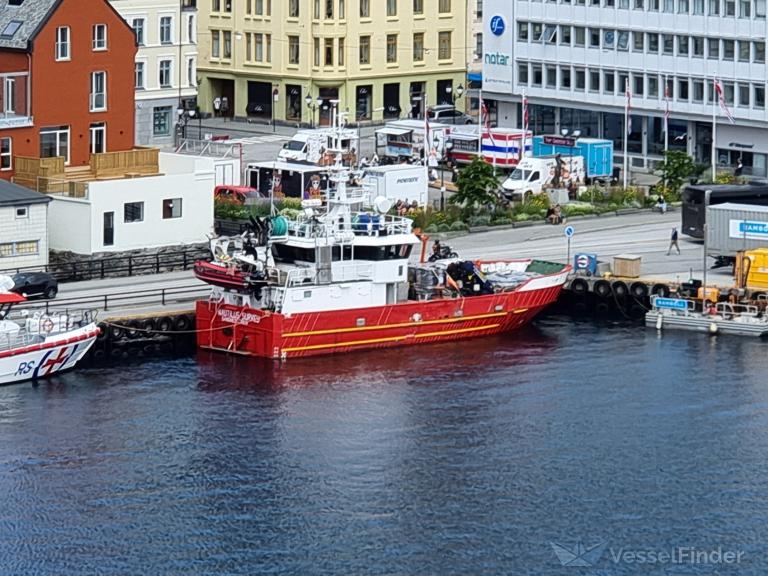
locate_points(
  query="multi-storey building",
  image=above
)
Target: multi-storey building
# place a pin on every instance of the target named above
(289, 60)
(66, 81)
(165, 72)
(574, 59)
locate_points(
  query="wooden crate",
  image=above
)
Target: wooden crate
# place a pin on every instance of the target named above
(627, 265)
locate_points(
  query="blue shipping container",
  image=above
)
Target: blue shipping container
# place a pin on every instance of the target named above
(597, 153)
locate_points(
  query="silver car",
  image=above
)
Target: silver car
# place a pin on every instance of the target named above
(447, 114)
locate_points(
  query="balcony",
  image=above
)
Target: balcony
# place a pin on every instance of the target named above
(50, 176)
(14, 100)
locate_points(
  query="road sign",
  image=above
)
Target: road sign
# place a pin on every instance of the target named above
(582, 261)
(670, 303)
(568, 231)
(560, 141)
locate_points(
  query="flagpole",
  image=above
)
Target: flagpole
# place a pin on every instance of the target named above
(714, 130)
(666, 126)
(626, 131)
(525, 125)
(480, 121)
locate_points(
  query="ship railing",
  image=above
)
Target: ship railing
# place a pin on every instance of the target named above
(367, 224)
(729, 310)
(351, 196)
(299, 276)
(353, 271)
(12, 340)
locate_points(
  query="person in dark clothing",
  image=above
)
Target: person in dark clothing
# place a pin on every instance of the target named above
(739, 168)
(673, 242)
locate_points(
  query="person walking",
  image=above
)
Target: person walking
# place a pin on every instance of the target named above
(673, 242)
(739, 168)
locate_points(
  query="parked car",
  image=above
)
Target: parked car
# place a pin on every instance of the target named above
(448, 114)
(35, 285)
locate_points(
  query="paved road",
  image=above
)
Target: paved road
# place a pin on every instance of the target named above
(645, 234)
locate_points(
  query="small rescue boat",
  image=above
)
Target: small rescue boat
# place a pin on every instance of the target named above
(723, 318)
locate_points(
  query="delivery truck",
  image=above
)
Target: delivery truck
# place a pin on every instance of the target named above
(311, 145)
(733, 228)
(533, 175)
(404, 139)
(396, 182)
(597, 153)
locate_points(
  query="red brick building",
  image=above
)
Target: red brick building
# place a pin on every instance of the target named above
(66, 81)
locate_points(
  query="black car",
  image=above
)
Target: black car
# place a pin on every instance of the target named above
(35, 285)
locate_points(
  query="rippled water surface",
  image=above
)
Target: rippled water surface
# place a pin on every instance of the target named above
(466, 458)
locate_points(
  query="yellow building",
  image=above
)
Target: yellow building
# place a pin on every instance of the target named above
(289, 59)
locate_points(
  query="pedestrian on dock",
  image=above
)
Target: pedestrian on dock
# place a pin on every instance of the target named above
(673, 242)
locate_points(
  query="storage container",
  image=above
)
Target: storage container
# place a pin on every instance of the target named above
(627, 265)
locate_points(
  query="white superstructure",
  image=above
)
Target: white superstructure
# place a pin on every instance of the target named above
(572, 57)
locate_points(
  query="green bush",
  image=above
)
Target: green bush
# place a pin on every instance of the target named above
(523, 217)
(538, 202)
(431, 229)
(459, 226)
(226, 209)
(501, 221)
(444, 227)
(480, 220)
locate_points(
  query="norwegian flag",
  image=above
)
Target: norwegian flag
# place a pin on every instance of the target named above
(721, 98)
(628, 107)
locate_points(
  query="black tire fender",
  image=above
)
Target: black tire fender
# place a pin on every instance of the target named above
(133, 329)
(661, 290)
(148, 325)
(182, 323)
(579, 286)
(103, 332)
(620, 289)
(164, 324)
(603, 288)
(116, 332)
(639, 290)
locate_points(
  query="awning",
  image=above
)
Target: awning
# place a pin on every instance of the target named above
(462, 136)
(394, 131)
(475, 76)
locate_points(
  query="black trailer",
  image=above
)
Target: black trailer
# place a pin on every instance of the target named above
(693, 202)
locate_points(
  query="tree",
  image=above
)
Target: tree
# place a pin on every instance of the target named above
(477, 185)
(677, 168)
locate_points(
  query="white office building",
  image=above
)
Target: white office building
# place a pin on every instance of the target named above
(572, 58)
(166, 65)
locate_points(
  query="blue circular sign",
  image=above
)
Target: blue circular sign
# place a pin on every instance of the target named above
(569, 231)
(497, 25)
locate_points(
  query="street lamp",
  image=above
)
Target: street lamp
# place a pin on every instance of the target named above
(312, 105)
(459, 93)
(184, 116)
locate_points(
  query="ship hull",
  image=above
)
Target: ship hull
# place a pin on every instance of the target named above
(255, 332)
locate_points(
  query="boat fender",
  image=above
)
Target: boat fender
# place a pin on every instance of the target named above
(164, 324)
(579, 286)
(182, 323)
(637, 311)
(133, 329)
(661, 290)
(602, 308)
(115, 333)
(639, 290)
(620, 289)
(659, 322)
(102, 335)
(713, 328)
(116, 353)
(602, 288)
(416, 317)
(149, 326)
(99, 354)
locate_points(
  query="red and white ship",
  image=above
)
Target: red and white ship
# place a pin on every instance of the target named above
(41, 345)
(337, 279)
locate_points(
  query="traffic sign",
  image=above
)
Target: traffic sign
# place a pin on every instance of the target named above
(569, 231)
(582, 261)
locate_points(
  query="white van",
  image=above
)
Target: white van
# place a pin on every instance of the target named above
(532, 175)
(307, 145)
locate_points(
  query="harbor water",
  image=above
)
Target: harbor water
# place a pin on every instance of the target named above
(634, 453)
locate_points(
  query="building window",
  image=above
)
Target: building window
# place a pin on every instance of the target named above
(714, 7)
(165, 73)
(536, 74)
(638, 41)
(328, 56)
(391, 48)
(259, 47)
(714, 48)
(26, 248)
(668, 43)
(341, 51)
(133, 212)
(418, 47)
(698, 47)
(98, 138)
(391, 7)
(594, 81)
(522, 31)
(22, 212)
(268, 44)
(580, 80)
(5, 154)
(638, 84)
(171, 208)
(227, 44)
(760, 9)
(215, 44)
(365, 8)
(293, 50)
(551, 77)
(728, 50)
(54, 141)
(98, 91)
(191, 29)
(161, 121)
(744, 47)
(698, 91)
(293, 9)
(418, 6)
(100, 37)
(444, 6)
(609, 82)
(329, 9)
(565, 35)
(759, 96)
(166, 30)
(342, 10)
(138, 29)
(565, 78)
(653, 43)
(444, 46)
(682, 89)
(653, 86)
(62, 43)
(139, 81)
(579, 35)
(744, 95)
(759, 54)
(479, 45)
(191, 73)
(316, 11)
(365, 49)
(594, 38)
(682, 46)
(8, 100)
(316, 52)
(522, 73)
(108, 234)
(730, 7)
(364, 102)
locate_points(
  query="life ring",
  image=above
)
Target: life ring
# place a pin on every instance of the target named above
(46, 324)
(579, 286)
